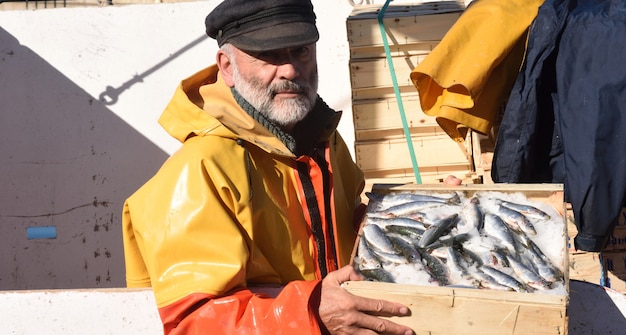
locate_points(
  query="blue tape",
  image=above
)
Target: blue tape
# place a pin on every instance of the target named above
(34, 233)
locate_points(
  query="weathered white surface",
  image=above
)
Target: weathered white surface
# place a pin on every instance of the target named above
(79, 312)
(81, 90)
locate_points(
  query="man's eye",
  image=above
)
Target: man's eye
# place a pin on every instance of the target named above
(302, 51)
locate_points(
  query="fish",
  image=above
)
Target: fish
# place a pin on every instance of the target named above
(486, 281)
(376, 238)
(435, 267)
(400, 221)
(472, 214)
(378, 274)
(516, 220)
(495, 226)
(546, 269)
(478, 242)
(365, 259)
(527, 275)
(405, 247)
(437, 229)
(455, 262)
(413, 208)
(413, 233)
(449, 240)
(391, 199)
(390, 257)
(528, 210)
(503, 278)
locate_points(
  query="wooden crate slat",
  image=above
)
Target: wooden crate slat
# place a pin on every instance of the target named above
(437, 150)
(400, 29)
(396, 50)
(385, 114)
(382, 92)
(375, 73)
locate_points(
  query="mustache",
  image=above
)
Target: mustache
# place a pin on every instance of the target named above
(287, 86)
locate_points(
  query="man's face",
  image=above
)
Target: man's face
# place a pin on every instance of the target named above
(281, 84)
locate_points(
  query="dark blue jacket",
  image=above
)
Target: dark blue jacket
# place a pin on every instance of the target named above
(565, 119)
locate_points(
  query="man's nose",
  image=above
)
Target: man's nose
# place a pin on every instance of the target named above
(287, 70)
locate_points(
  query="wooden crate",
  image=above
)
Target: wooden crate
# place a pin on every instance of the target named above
(450, 310)
(412, 31)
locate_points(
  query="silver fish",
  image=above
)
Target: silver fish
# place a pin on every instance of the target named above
(546, 269)
(486, 281)
(527, 275)
(385, 222)
(413, 233)
(377, 275)
(390, 257)
(437, 229)
(435, 267)
(496, 227)
(472, 214)
(377, 239)
(365, 259)
(516, 220)
(455, 262)
(391, 199)
(503, 278)
(413, 208)
(528, 210)
(405, 247)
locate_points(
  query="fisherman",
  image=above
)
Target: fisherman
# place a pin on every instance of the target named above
(249, 226)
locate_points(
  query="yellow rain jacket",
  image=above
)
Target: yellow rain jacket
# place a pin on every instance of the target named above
(467, 77)
(234, 209)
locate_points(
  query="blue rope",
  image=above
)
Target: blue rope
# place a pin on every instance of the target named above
(405, 125)
(603, 275)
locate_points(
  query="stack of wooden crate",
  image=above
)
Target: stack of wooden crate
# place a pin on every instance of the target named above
(381, 147)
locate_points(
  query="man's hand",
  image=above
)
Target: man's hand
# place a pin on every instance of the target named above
(452, 180)
(344, 313)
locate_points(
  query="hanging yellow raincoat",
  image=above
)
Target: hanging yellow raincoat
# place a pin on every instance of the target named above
(467, 77)
(234, 209)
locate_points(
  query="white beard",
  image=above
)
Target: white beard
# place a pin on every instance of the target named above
(284, 112)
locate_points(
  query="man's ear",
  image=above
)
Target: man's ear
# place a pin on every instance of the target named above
(224, 63)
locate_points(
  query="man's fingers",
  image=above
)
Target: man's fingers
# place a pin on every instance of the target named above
(381, 307)
(382, 326)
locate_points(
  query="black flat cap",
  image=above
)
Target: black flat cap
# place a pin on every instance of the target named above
(259, 25)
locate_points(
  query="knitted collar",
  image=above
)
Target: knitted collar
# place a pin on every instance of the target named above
(287, 139)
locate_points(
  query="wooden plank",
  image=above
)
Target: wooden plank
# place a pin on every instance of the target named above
(429, 175)
(398, 10)
(379, 114)
(380, 119)
(396, 50)
(438, 150)
(455, 314)
(401, 28)
(369, 93)
(375, 73)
